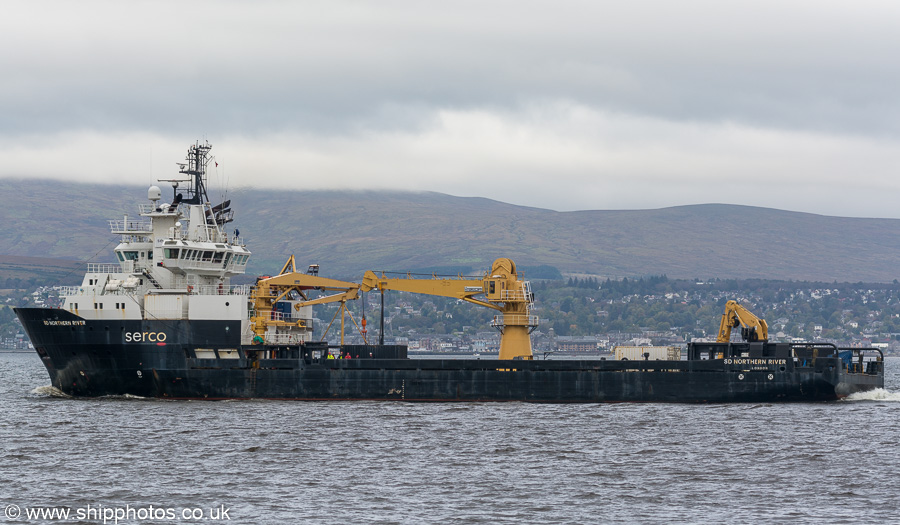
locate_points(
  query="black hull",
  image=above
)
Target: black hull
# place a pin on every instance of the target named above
(93, 358)
(392, 380)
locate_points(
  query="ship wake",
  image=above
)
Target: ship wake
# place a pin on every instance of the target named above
(879, 394)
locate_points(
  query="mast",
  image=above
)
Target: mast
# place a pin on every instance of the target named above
(195, 168)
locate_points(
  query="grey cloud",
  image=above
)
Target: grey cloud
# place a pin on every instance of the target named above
(331, 66)
(566, 105)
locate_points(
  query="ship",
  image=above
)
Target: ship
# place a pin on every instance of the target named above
(165, 321)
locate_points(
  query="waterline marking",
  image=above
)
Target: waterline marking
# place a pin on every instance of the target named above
(114, 515)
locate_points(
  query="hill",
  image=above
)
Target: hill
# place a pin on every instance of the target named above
(349, 232)
(19, 272)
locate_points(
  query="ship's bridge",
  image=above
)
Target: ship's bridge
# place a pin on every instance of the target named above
(208, 258)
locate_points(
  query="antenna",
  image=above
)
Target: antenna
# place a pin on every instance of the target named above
(195, 168)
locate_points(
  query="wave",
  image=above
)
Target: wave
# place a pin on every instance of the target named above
(879, 394)
(52, 391)
(49, 391)
(132, 396)
(123, 397)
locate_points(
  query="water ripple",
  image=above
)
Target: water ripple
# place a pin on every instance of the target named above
(382, 462)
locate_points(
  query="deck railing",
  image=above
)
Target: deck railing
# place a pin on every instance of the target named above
(502, 320)
(104, 268)
(129, 226)
(212, 289)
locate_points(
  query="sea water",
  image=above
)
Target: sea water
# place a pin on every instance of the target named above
(134, 460)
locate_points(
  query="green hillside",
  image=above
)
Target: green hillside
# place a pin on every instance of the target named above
(347, 233)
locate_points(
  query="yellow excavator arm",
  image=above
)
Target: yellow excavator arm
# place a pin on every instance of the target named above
(753, 328)
(499, 289)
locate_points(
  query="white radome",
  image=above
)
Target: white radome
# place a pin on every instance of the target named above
(154, 193)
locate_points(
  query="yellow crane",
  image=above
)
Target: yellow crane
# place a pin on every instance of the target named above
(499, 289)
(753, 328)
(341, 297)
(271, 290)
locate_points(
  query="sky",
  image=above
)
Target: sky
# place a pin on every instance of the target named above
(565, 105)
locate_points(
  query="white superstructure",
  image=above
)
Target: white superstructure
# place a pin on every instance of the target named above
(174, 262)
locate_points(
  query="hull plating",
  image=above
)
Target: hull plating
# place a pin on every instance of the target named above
(96, 358)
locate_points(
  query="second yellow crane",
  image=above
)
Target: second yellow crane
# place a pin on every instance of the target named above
(500, 289)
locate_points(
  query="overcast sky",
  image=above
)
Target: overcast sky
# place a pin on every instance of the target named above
(564, 105)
